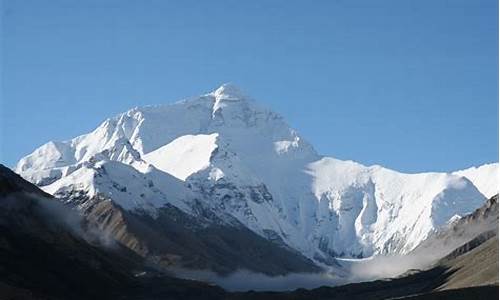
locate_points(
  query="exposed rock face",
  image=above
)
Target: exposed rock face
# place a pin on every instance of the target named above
(175, 239)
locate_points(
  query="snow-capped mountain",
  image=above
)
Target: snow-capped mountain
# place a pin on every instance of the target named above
(241, 161)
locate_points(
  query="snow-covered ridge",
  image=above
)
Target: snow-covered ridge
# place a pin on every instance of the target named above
(240, 159)
(485, 178)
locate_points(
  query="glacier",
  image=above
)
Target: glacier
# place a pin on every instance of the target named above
(240, 159)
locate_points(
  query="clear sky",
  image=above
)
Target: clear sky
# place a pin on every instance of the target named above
(411, 85)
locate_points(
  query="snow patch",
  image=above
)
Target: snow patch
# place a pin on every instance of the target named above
(185, 155)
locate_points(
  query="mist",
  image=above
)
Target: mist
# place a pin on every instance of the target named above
(382, 266)
(56, 213)
(60, 214)
(351, 271)
(244, 280)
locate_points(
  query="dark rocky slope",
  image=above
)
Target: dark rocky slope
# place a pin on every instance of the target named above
(45, 255)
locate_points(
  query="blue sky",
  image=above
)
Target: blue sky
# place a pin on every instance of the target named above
(411, 85)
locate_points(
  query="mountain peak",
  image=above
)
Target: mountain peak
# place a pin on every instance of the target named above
(228, 91)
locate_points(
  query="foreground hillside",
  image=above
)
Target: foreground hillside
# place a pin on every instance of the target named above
(44, 254)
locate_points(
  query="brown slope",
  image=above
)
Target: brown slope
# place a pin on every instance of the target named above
(477, 267)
